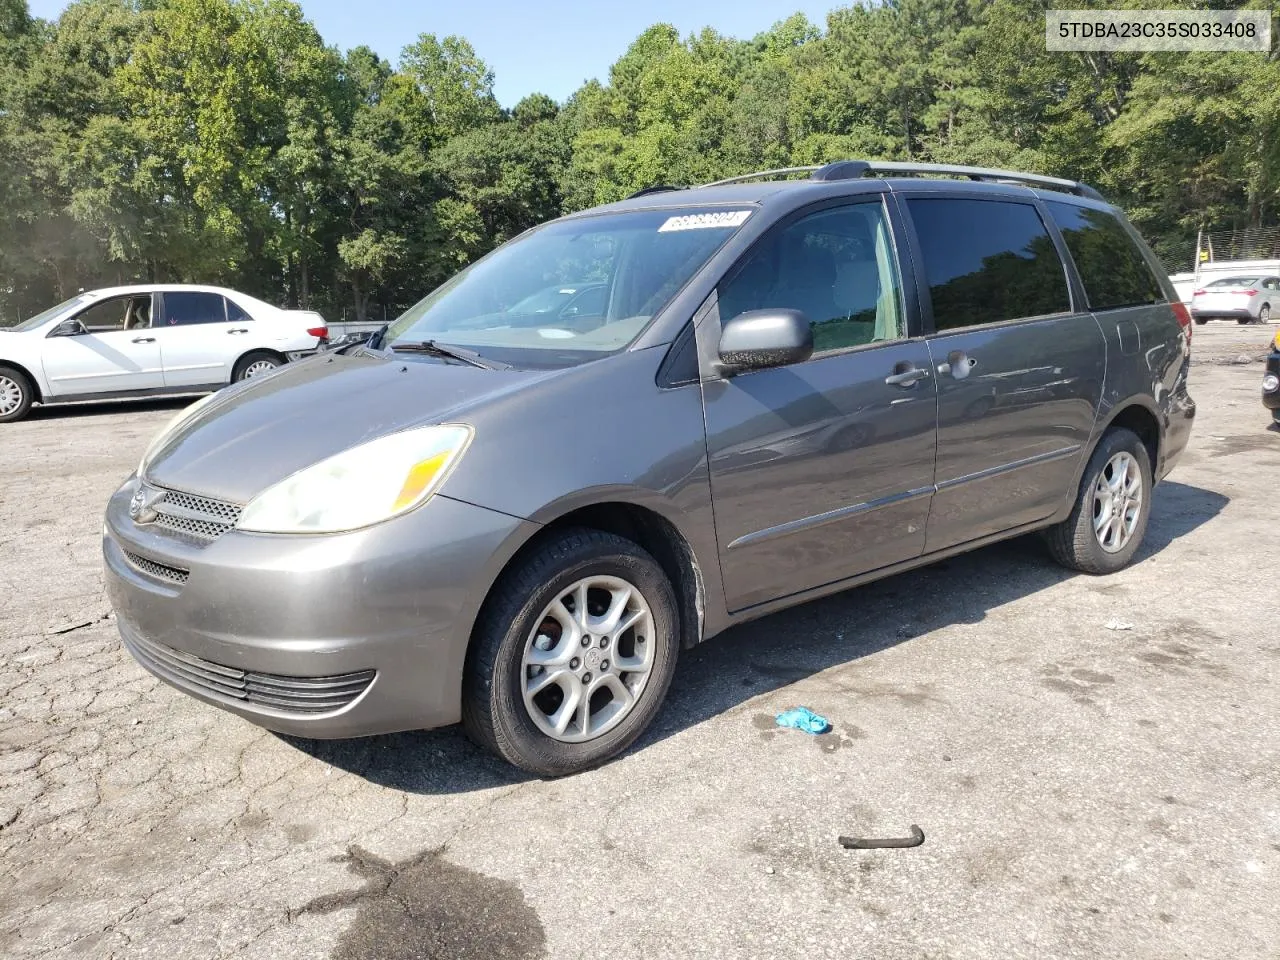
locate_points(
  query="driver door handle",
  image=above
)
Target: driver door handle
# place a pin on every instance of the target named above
(238, 330)
(906, 378)
(144, 339)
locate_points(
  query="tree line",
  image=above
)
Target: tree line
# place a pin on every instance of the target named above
(223, 141)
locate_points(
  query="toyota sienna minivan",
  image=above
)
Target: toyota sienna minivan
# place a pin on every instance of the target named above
(779, 388)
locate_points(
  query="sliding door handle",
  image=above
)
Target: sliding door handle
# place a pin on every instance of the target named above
(959, 364)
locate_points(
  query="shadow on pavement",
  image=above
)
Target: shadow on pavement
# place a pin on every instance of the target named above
(778, 650)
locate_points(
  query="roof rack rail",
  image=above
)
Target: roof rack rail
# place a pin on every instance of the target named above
(984, 173)
(656, 188)
(761, 174)
(856, 169)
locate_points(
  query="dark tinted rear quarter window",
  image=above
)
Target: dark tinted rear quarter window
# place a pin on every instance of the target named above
(184, 309)
(235, 314)
(1113, 269)
(987, 260)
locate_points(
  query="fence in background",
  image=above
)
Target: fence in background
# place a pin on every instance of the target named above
(1250, 243)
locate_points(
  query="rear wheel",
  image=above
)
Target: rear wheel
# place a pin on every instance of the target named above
(1243, 320)
(572, 655)
(1201, 321)
(16, 394)
(255, 364)
(1113, 504)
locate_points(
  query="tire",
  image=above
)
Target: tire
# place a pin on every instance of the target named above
(495, 711)
(1201, 321)
(1264, 313)
(16, 394)
(1073, 543)
(253, 364)
(1243, 320)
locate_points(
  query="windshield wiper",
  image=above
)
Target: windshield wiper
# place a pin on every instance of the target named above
(447, 351)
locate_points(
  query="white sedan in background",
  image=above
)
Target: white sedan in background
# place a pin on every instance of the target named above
(1245, 299)
(146, 341)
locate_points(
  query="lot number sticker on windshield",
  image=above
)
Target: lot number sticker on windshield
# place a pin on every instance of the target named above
(705, 221)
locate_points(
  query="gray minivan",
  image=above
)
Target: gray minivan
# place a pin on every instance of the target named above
(779, 389)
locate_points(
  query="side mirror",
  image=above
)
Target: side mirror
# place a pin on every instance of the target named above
(68, 328)
(758, 339)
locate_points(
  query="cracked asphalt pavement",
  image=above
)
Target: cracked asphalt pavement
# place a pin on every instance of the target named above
(1094, 761)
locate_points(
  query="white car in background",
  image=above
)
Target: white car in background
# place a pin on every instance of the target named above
(145, 341)
(1244, 299)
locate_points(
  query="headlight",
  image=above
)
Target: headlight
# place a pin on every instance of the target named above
(361, 486)
(182, 417)
(1270, 383)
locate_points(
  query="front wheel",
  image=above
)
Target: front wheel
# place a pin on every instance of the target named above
(1264, 313)
(1113, 504)
(15, 395)
(572, 655)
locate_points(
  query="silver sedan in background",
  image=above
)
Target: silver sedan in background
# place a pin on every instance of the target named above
(1250, 299)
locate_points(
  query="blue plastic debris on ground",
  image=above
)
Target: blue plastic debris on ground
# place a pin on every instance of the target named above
(802, 718)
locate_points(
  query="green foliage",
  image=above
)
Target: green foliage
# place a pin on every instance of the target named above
(223, 140)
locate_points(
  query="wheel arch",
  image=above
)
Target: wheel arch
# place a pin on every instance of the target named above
(642, 524)
(1137, 413)
(1140, 415)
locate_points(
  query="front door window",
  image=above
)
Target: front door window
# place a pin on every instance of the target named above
(836, 266)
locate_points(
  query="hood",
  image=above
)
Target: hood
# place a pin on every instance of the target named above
(259, 432)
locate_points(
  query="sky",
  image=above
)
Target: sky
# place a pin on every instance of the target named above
(532, 46)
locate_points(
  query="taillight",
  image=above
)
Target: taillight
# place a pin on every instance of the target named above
(318, 332)
(1199, 293)
(1184, 318)
(1247, 293)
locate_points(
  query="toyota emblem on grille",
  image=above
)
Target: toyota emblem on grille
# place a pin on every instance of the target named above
(141, 507)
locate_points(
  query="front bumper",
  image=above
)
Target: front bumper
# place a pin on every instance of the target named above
(1271, 398)
(316, 636)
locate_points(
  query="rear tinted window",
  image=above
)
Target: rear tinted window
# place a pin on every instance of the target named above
(1234, 282)
(1114, 272)
(235, 314)
(184, 309)
(987, 260)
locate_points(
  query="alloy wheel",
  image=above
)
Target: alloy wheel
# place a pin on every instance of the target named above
(587, 661)
(1117, 502)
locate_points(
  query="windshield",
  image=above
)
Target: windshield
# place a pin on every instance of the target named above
(545, 301)
(572, 290)
(1235, 282)
(49, 314)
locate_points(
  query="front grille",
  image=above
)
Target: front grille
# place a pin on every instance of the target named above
(160, 571)
(306, 695)
(201, 518)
